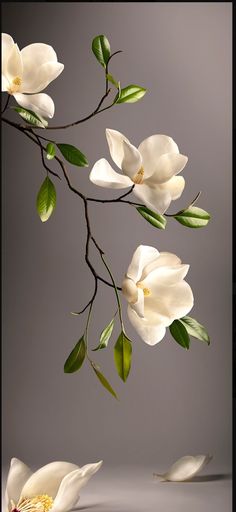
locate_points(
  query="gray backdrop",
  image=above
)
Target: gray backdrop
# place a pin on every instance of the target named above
(175, 402)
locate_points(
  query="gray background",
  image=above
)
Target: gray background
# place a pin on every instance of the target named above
(175, 402)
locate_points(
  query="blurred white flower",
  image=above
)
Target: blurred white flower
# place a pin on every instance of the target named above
(185, 468)
(53, 487)
(151, 168)
(157, 294)
(29, 71)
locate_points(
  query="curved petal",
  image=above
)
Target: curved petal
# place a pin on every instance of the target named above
(175, 186)
(149, 331)
(152, 148)
(143, 255)
(5, 84)
(153, 197)
(164, 276)
(115, 141)
(17, 476)
(186, 468)
(41, 104)
(35, 55)
(172, 301)
(14, 66)
(138, 306)
(47, 479)
(130, 290)
(68, 493)
(164, 259)
(103, 175)
(38, 80)
(7, 45)
(167, 166)
(132, 160)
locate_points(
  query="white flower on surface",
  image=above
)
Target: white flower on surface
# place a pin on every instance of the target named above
(151, 169)
(185, 468)
(157, 294)
(27, 72)
(54, 487)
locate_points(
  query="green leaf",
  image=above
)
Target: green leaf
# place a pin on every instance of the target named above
(195, 329)
(193, 217)
(130, 94)
(111, 79)
(179, 333)
(122, 356)
(73, 155)
(30, 117)
(101, 49)
(105, 336)
(76, 357)
(158, 221)
(46, 199)
(51, 151)
(103, 380)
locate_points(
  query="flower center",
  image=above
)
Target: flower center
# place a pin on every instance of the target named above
(15, 85)
(40, 503)
(146, 291)
(139, 176)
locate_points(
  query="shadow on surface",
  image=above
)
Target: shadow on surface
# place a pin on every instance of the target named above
(212, 478)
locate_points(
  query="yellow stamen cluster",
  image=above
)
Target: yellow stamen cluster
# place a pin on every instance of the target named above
(15, 85)
(138, 177)
(39, 503)
(146, 291)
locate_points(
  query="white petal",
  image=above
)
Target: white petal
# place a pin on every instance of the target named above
(172, 301)
(68, 493)
(152, 148)
(175, 186)
(164, 259)
(132, 160)
(153, 197)
(7, 45)
(14, 64)
(115, 143)
(130, 290)
(41, 104)
(143, 255)
(38, 80)
(166, 167)
(186, 468)
(103, 175)
(138, 306)
(150, 332)
(36, 54)
(47, 479)
(5, 83)
(164, 276)
(17, 476)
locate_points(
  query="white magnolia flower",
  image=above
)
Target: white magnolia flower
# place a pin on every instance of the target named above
(185, 468)
(157, 294)
(53, 487)
(27, 72)
(151, 168)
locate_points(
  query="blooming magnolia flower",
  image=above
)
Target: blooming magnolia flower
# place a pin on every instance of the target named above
(29, 71)
(53, 487)
(151, 168)
(157, 294)
(185, 468)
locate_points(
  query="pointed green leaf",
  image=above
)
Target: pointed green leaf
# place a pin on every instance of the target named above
(157, 220)
(73, 155)
(105, 336)
(76, 357)
(130, 94)
(31, 117)
(104, 381)
(179, 333)
(46, 199)
(101, 49)
(122, 356)
(195, 329)
(51, 151)
(193, 217)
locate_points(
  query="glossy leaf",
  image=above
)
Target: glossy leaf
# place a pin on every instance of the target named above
(46, 199)
(130, 94)
(101, 49)
(180, 334)
(73, 155)
(193, 217)
(157, 220)
(31, 117)
(51, 151)
(122, 356)
(105, 336)
(76, 357)
(195, 329)
(103, 380)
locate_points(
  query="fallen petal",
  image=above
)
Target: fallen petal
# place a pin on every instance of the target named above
(185, 468)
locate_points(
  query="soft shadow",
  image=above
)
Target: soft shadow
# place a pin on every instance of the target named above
(93, 505)
(212, 478)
